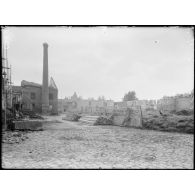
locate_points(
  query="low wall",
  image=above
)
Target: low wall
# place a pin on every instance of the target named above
(131, 118)
(118, 120)
(175, 103)
(27, 125)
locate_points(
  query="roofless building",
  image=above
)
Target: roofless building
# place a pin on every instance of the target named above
(36, 97)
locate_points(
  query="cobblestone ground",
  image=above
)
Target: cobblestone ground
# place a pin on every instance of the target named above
(72, 145)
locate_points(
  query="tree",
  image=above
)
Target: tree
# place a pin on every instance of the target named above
(130, 96)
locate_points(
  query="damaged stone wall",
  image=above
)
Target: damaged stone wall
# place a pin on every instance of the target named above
(184, 103)
(93, 107)
(166, 104)
(31, 95)
(27, 125)
(131, 117)
(175, 103)
(96, 107)
(144, 104)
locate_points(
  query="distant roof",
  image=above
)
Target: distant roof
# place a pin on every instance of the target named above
(27, 83)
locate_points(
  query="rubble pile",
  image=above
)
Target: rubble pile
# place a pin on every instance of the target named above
(71, 117)
(12, 137)
(104, 120)
(184, 112)
(169, 122)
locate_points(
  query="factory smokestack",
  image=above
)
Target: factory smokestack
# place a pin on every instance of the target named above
(45, 88)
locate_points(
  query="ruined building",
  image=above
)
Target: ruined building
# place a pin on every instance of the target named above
(39, 98)
(89, 106)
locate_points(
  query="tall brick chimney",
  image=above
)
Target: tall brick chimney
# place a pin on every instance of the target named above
(45, 87)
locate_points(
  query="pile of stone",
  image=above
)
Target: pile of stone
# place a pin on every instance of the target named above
(71, 117)
(185, 112)
(169, 122)
(104, 120)
(12, 137)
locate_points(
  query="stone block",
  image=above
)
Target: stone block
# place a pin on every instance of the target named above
(131, 119)
(27, 125)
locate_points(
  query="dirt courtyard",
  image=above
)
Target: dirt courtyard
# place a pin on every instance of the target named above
(73, 145)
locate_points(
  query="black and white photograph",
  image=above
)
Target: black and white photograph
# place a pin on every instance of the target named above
(97, 97)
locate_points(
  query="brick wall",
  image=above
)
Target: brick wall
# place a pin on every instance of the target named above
(31, 98)
(53, 100)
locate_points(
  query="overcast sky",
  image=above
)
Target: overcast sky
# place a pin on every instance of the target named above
(107, 61)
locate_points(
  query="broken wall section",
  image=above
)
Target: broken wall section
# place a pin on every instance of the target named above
(132, 117)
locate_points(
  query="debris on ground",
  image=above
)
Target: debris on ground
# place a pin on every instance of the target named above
(182, 121)
(69, 145)
(12, 137)
(71, 117)
(170, 122)
(184, 112)
(104, 120)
